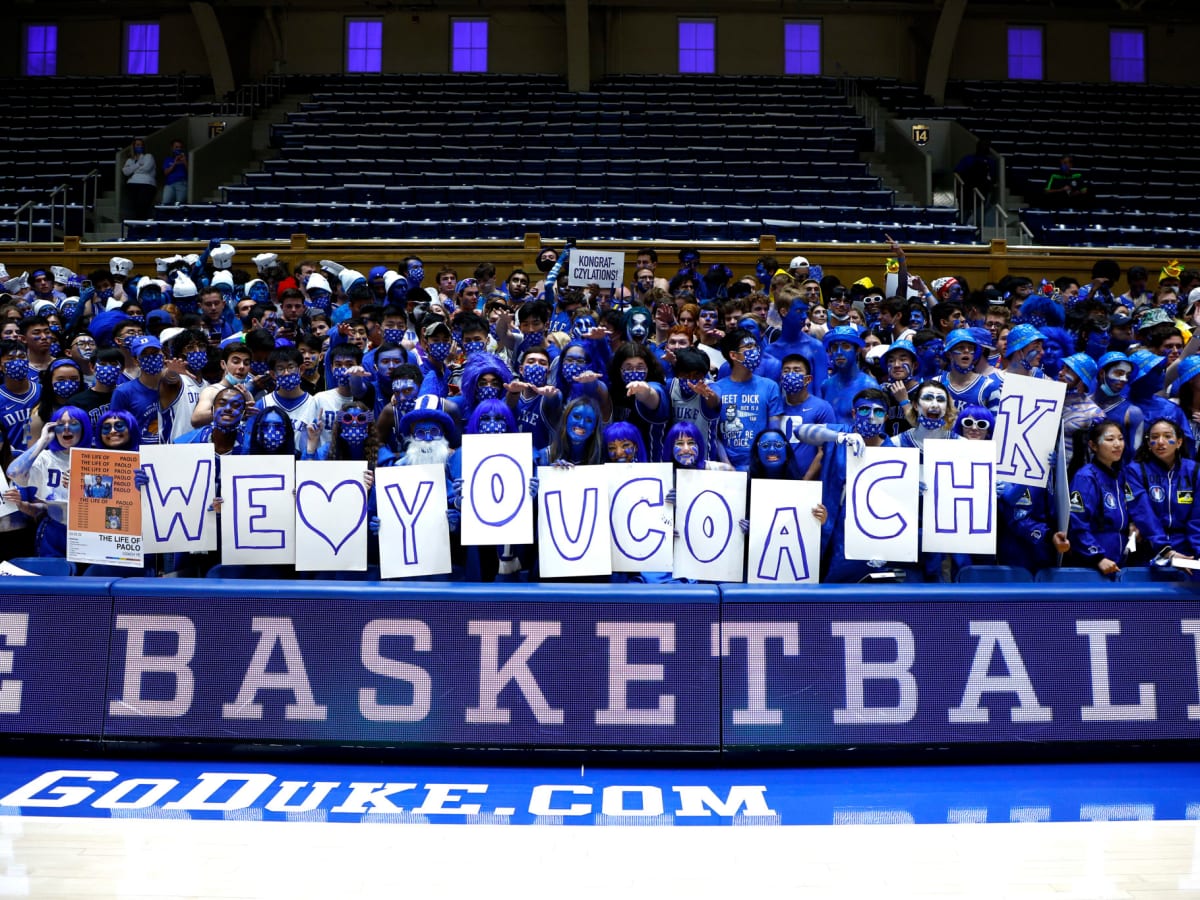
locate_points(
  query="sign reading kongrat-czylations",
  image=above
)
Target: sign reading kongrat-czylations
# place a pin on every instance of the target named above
(602, 267)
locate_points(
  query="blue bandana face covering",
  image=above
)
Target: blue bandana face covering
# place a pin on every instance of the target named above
(534, 373)
(288, 381)
(196, 360)
(65, 389)
(272, 434)
(107, 374)
(793, 382)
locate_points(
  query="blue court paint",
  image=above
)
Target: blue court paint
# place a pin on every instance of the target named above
(356, 793)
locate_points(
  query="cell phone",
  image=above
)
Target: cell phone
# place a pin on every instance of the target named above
(85, 284)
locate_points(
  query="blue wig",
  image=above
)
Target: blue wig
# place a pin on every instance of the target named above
(476, 367)
(135, 430)
(623, 431)
(490, 408)
(975, 412)
(78, 415)
(690, 430)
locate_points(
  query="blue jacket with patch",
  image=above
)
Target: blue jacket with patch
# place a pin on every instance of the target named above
(1099, 514)
(1163, 501)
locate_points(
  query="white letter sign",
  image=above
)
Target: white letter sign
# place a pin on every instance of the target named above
(573, 535)
(414, 536)
(258, 516)
(1027, 428)
(496, 507)
(708, 506)
(882, 486)
(640, 519)
(960, 497)
(182, 482)
(331, 516)
(785, 539)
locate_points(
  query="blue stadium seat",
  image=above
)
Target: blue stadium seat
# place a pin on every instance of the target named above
(44, 565)
(1071, 574)
(985, 574)
(1145, 574)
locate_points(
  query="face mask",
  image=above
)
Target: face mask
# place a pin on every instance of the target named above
(272, 435)
(416, 274)
(105, 294)
(354, 435)
(393, 335)
(470, 348)
(17, 369)
(289, 381)
(141, 320)
(534, 373)
(1170, 309)
(687, 387)
(196, 360)
(341, 377)
(439, 350)
(319, 300)
(793, 382)
(545, 264)
(55, 348)
(933, 424)
(571, 370)
(69, 308)
(152, 363)
(751, 358)
(487, 392)
(631, 377)
(764, 277)
(535, 338)
(258, 368)
(491, 426)
(66, 389)
(107, 375)
(868, 428)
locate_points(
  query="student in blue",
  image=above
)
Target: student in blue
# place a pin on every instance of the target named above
(140, 397)
(1116, 373)
(484, 376)
(935, 417)
(579, 373)
(623, 444)
(800, 408)
(1146, 383)
(435, 371)
(793, 340)
(964, 383)
(769, 367)
(44, 470)
(749, 402)
(578, 440)
(229, 405)
(536, 405)
(639, 395)
(845, 379)
(1024, 350)
(19, 394)
(692, 397)
(1163, 482)
(1100, 496)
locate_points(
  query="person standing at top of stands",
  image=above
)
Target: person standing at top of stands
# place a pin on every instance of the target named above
(42, 288)
(799, 268)
(216, 318)
(141, 180)
(447, 281)
(1067, 186)
(1137, 276)
(978, 172)
(839, 307)
(175, 170)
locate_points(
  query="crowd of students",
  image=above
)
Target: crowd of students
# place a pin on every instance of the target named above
(780, 373)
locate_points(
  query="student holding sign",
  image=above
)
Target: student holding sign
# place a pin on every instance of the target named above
(45, 469)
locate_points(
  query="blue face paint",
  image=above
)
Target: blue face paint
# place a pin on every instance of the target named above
(427, 431)
(1097, 344)
(772, 453)
(581, 423)
(869, 419)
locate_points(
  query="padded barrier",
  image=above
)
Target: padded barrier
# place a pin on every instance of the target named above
(697, 667)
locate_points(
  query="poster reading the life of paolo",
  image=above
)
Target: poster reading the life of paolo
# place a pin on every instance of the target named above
(104, 512)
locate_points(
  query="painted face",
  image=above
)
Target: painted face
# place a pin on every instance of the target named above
(931, 403)
(685, 451)
(581, 423)
(1070, 379)
(1171, 348)
(582, 326)
(869, 418)
(963, 357)
(772, 452)
(1163, 443)
(228, 410)
(114, 433)
(1116, 378)
(840, 353)
(273, 433)
(1110, 447)
(1031, 358)
(622, 451)
(427, 431)
(900, 366)
(404, 390)
(84, 347)
(389, 362)
(68, 431)
(639, 327)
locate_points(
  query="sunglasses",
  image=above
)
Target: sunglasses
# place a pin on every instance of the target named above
(873, 412)
(72, 427)
(361, 417)
(981, 424)
(110, 427)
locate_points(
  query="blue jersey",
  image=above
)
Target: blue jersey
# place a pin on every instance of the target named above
(747, 408)
(142, 403)
(539, 417)
(982, 390)
(811, 411)
(15, 411)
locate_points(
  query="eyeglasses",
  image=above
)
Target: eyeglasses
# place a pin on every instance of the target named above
(361, 417)
(85, 344)
(286, 370)
(981, 424)
(870, 412)
(72, 427)
(116, 425)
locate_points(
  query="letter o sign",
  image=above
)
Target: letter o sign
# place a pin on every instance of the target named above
(497, 490)
(708, 526)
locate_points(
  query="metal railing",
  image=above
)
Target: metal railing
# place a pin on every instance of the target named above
(251, 97)
(61, 190)
(92, 178)
(27, 206)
